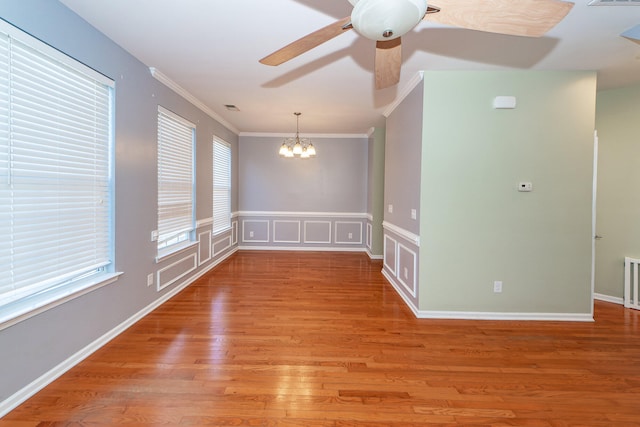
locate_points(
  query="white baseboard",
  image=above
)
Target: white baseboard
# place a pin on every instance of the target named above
(372, 256)
(301, 248)
(38, 384)
(482, 315)
(608, 298)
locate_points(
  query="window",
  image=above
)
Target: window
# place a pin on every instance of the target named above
(221, 185)
(55, 175)
(175, 179)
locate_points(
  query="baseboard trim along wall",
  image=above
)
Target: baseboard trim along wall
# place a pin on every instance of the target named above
(38, 384)
(482, 315)
(608, 298)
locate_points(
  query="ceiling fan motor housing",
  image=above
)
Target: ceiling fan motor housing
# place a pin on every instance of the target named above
(386, 19)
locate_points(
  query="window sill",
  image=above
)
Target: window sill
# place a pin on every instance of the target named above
(174, 250)
(28, 307)
(221, 231)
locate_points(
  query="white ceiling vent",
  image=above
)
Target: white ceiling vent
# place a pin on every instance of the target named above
(614, 3)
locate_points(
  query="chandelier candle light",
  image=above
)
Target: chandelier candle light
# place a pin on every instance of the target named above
(296, 146)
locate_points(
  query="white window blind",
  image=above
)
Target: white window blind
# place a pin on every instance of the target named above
(221, 185)
(175, 178)
(55, 180)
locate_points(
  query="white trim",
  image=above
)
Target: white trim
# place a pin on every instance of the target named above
(411, 289)
(480, 315)
(204, 222)
(255, 221)
(304, 214)
(234, 233)
(306, 135)
(48, 377)
(160, 287)
(201, 259)
(328, 241)
(189, 97)
(11, 317)
(347, 242)
(369, 236)
(370, 131)
(372, 256)
(392, 269)
(275, 239)
(404, 93)
(235, 214)
(302, 248)
(369, 216)
(489, 315)
(213, 245)
(608, 298)
(175, 250)
(407, 235)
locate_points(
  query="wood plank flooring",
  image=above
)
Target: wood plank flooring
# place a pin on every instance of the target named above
(321, 339)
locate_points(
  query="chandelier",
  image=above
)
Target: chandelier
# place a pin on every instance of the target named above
(296, 146)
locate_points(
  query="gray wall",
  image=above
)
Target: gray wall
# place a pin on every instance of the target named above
(476, 227)
(34, 346)
(334, 181)
(402, 172)
(402, 162)
(618, 173)
(307, 204)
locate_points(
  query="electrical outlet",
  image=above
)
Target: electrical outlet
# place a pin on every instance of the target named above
(350, 236)
(390, 208)
(406, 273)
(497, 286)
(414, 214)
(150, 279)
(251, 234)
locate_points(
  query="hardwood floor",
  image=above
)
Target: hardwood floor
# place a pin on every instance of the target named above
(321, 339)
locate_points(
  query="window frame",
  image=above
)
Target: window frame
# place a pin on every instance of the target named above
(184, 237)
(226, 187)
(22, 301)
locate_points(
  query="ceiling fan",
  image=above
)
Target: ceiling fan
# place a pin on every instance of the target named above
(386, 21)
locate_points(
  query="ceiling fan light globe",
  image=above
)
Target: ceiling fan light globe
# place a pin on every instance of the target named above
(387, 19)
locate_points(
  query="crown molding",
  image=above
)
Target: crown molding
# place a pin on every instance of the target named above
(192, 99)
(405, 92)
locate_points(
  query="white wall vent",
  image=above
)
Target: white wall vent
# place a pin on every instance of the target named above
(614, 3)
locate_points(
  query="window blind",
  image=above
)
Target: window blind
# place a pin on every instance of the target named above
(221, 185)
(175, 178)
(55, 182)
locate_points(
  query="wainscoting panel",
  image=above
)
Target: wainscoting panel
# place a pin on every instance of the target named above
(407, 266)
(390, 248)
(234, 232)
(317, 232)
(204, 247)
(176, 271)
(222, 245)
(369, 235)
(400, 263)
(305, 231)
(255, 231)
(349, 232)
(286, 231)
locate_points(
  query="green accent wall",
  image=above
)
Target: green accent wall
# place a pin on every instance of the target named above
(618, 202)
(475, 227)
(376, 188)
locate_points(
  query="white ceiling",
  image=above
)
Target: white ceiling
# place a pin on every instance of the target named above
(211, 48)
